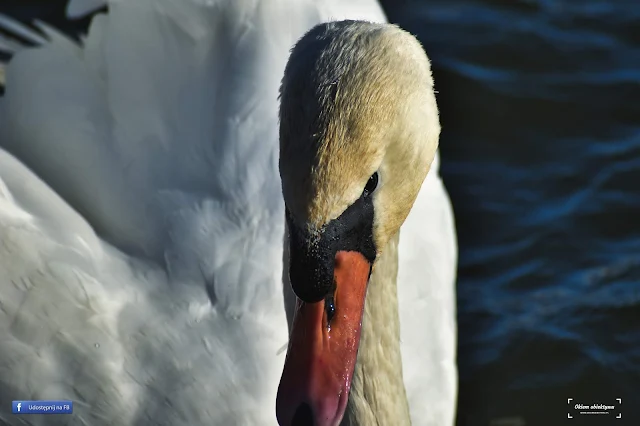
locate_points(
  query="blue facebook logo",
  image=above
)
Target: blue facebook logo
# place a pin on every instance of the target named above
(42, 407)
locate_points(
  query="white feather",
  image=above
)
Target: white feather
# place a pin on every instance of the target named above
(79, 8)
(14, 27)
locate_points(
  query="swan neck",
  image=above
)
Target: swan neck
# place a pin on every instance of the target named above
(378, 395)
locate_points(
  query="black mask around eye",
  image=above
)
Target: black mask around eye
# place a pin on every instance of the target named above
(311, 261)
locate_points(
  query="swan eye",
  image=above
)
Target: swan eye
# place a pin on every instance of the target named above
(371, 185)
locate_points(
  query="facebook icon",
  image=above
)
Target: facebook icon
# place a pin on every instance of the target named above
(18, 406)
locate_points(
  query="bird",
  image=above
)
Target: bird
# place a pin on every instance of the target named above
(226, 213)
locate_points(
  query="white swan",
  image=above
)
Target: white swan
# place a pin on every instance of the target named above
(160, 134)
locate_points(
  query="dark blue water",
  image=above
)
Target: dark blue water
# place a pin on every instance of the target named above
(540, 107)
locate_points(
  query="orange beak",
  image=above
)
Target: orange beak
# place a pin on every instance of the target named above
(315, 383)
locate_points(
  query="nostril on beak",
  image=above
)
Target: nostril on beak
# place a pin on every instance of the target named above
(303, 416)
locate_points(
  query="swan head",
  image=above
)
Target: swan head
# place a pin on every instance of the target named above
(358, 132)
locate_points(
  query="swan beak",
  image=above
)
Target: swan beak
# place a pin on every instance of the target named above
(315, 383)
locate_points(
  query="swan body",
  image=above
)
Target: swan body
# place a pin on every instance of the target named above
(141, 222)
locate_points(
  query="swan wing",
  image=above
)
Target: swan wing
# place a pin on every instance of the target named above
(118, 335)
(182, 323)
